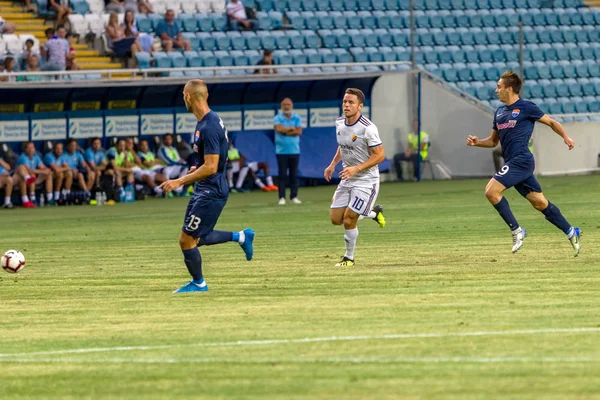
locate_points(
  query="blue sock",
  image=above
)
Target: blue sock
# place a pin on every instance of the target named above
(217, 237)
(193, 262)
(504, 210)
(555, 217)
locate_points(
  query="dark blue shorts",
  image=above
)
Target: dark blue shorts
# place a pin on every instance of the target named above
(202, 213)
(518, 172)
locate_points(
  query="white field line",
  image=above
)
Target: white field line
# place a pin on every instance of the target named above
(303, 340)
(326, 360)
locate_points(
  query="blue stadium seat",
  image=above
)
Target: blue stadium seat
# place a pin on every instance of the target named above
(156, 18)
(207, 41)
(397, 20)
(594, 70)
(552, 18)
(328, 39)
(425, 37)
(531, 71)
(366, 19)
(309, 5)
(219, 21)
(264, 21)
(143, 59)
(569, 36)
(575, 88)
(581, 36)
(439, 37)
(449, 21)
(588, 18)
(189, 22)
(251, 40)
(400, 37)
(458, 56)
(587, 87)
(548, 88)
(192, 59)
(485, 54)
(291, 6)
(499, 56)
(194, 41)
(384, 37)
(354, 5)
(328, 56)
(478, 71)
(422, 20)
(264, 5)
(568, 106)
(359, 54)
(240, 58)
(457, 4)
(471, 54)
(311, 21)
(537, 54)
(449, 73)
(322, 5)
(224, 58)
(550, 54)
(238, 42)
(587, 53)
(466, 38)
(562, 89)
(144, 24)
(298, 56)
(277, 5)
(581, 106)
(296, 19)
(453, 37)
(341, 37)
(310, 39)
(371, 39)
(276, 18)
(575, 53)
(545, 36)
(283, 57)
(314, 57)
(392, 5)
(208, 58)
(176, 74)
(204, 22)
(535, 90)
(223, 41)
(267, 40)
(375, 5)
(177, 59)
(464, 72)
(594, 106)
(382, 20)
(556, 71)
(444, 55)
(325, 19)
(353, 20)
(342, 56)
(402, 54)
(436, 20)
(161, 60)
(373, 54)
(431, 56)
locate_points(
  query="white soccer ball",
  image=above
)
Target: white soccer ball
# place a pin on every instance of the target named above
(13, 261)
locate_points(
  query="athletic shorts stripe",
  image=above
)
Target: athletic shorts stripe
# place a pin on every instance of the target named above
(368, 208)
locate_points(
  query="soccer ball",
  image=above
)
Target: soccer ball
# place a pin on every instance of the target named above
(13, 261)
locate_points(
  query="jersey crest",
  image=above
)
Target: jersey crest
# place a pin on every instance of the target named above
(515, 113)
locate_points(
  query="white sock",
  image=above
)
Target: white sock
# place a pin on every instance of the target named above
(57, 195)
(372, 214)
(179, 189)
(68, 191)
(50, 196)
(571, 232)
(350, 238)
(32, 196)
(269, 181)
(242, 237)
(230, 177)
(6, 200)
(157, 190)
(259, 183)
(241, 177)
(24, 199)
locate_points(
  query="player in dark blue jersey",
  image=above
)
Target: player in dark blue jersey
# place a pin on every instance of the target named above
(513, 126)
(210, 188)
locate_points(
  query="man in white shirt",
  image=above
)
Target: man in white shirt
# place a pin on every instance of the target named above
(238, 19)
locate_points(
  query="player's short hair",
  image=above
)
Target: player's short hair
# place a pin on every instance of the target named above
(96, 138)
(511, 79)
(71, 141)
(166, 135)
(358, 93)
(267, 53)
(49, 31)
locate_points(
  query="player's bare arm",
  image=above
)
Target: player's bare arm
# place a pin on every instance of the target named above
(377, 156)
(559, 129)
(490, 141)
(210, 167)
(4, 165)
(330, 169)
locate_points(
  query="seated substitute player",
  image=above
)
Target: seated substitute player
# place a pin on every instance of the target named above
(36, 173)
(139, 172)
(512, 127)
(175, 166)
(237, 164)
(210, 188)
(80, 169)
(62, 172)
(96, 159)
(122, 162)
(360, 150)
(6, 182)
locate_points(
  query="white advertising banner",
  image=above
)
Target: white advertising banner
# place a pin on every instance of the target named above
(258, 120)
(82, 128)
(157, 124)
(323, 117)
(123, 125)
(49, 129)
(185, 123)
(303, 114)
(233, 120)
(14, 131)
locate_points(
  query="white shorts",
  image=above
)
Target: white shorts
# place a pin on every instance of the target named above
(235, 166)
(139, 173)
(360, 197)
(173, 171)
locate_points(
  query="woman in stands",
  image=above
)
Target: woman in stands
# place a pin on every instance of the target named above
(8, 66)
(130, 29)
(62, 10)
(118, 41)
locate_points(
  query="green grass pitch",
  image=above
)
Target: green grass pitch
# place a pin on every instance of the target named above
(436, 307)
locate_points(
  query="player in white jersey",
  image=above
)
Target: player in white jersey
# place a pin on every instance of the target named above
(360, 150)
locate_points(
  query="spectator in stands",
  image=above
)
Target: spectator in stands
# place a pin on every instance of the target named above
(238, 19)
(71, 62)
(33, 66)
(7, 27)
(123, 168)
(176, 167)
(411, 154)
(28, 52)
(35, 173)
(28, 7)
(117, 40)
(55, 50)
(115, 6)
(144, 41)
(267, 59)
(145, 7)
(288, 128)
(8, 67)
(96, 159)
(170, 33)
(60, 169)
(6, 183)
(62, 10)
(79, 167)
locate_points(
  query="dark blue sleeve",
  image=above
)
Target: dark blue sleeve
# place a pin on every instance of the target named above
(211, 137)
(534, 113)
(494, 126)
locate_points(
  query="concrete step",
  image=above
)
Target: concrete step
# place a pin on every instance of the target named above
(29, 26)
(91, 60)
(11, 16)
(100, 65)
(9, 9)
(87, 53)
